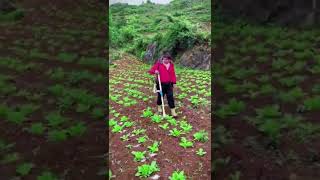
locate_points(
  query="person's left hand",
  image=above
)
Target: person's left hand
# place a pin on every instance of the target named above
(173, 85)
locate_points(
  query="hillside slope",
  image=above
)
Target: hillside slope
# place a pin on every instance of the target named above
(180, 26)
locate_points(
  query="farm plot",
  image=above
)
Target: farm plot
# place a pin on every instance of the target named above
(52, 93)
(142, 144)
(267, 85)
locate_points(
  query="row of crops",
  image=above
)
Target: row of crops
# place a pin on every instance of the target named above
(145, 136)
(267, 93)
(52, 97)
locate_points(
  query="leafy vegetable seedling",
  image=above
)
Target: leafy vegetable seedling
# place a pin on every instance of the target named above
(185, 126)
(142, 139)
(24, 169)
(156, 118)
(175, 132)
(112, 122)
(154, 148)
(138, 155)
(124, 118)
(185, 143)
(201, 136)
(171, 120)
(146, 170)
(147, 113)
(178, 175)
(164, 126)
(201, 152)
(47, 176)
(125, 137)
(138, 131)
(36, 128)
(116, 128)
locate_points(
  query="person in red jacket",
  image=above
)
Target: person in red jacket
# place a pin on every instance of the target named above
(165, 68)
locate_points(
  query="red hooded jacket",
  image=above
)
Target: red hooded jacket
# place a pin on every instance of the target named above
(166, 76)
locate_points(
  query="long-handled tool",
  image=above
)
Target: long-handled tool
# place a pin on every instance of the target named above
(161, 94)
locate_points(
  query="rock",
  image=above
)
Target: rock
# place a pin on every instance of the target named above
(151, 49)
(155, 177)
(6, 6)
(198, 57)
(283, 12)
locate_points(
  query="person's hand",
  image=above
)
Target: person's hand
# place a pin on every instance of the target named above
(157, 72)
(174, 85)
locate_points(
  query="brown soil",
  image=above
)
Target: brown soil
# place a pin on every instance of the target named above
(76, 158)
(260, 161)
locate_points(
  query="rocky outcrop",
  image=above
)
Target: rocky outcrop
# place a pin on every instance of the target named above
(283, 12)
(199, 57)
(150, 53)
(6, 6)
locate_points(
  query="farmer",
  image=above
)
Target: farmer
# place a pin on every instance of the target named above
(164, 66)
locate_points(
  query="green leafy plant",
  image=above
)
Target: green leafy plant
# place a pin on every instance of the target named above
(128, 124)
(178, 175)
(185, 143)
(112, 122)
(125, 137)
(147, 112)
(164, 126)
(291, 96)
(37, 128)
(16, 117)
(186, 127)
(201, 136)
(124, 118)
(138, 131)
(82, 107)
(175, 132)
(77, 129)
(117, 128)
(47, 176)
(24, 169)
(146, 170)
(139, 155)
(154, 147)
(232, 108)
(55, 119)
(272, 129)
(171, 120)
(201, 152)
(9, 158)
(156, 118)
(57, 135)
(235, 176)
(312, 103)
(142, 139)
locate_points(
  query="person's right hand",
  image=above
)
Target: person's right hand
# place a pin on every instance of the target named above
(156, 71)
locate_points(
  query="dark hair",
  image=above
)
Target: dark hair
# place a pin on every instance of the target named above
(167, 56)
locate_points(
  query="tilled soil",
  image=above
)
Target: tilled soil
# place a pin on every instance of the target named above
(81, 157)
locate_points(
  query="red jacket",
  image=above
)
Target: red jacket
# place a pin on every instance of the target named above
(166, 76)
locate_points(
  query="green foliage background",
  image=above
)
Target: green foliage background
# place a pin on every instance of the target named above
(174, 27)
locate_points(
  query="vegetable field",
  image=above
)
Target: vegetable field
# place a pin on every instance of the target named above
(142, 144)
(52, 92)
(268, 88)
